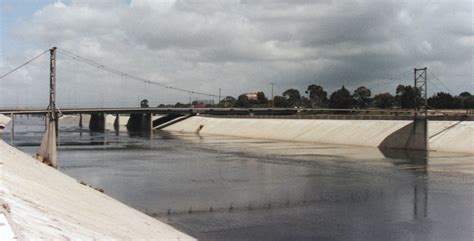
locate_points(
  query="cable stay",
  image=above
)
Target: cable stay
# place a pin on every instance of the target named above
(442, 83)
(127, 75)
(24, 64)
(191, 92)
(389, 80)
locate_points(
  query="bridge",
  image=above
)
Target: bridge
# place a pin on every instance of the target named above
(162, 111)
(141, 118)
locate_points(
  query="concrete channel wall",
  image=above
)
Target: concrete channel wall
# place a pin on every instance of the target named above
(446, 136)
(41, 203)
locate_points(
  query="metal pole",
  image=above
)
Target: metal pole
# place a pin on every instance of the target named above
(53, 115)
(414, 85)
(426, 92)
(219, 104)
(52, 81)
(272, 84)
(421, 84)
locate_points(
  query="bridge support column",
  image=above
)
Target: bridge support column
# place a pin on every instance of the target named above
(411, 137)
(419, 138)
(12, 134)
(80, 120)
(140, 122)
(47, 151)
(97, 122)
(117, 122)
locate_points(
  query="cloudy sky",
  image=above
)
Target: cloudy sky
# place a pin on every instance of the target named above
(237, 45)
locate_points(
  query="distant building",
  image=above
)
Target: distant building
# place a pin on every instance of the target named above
(144, 103)
(252, 95)
(202, 103)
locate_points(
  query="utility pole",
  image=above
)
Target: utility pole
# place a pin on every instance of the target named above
(421, 84)
(272, 84)
(219, 103)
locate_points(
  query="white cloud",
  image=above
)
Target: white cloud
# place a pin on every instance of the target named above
(244, 45)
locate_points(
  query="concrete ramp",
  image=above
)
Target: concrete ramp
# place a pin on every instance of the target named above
(168, 120)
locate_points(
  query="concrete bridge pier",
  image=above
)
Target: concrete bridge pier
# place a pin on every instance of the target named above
(48, 152)
(97, 122)
(117, 122)
(140, 122)
(12, 134)
(411, 137)
(419, 136)
(80, 120)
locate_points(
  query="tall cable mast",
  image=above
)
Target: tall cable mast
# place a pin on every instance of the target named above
(421, 84)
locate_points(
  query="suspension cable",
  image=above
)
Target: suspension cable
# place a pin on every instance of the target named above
(124, 74)
(22, 65)
(442, 83)
(389, 80)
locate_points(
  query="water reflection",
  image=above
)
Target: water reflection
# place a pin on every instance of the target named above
(416, 161)
(226, 188)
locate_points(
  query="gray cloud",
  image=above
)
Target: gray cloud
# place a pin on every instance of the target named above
(241, 46)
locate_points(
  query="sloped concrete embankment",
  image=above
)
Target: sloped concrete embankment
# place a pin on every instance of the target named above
(4, 120)
(44, 204)
(446, 136)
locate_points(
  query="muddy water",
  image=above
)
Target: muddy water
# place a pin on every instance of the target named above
(224, 188)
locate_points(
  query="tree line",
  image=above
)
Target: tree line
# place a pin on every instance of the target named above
(406, 97)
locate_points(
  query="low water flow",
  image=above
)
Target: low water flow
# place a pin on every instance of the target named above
(226, 188)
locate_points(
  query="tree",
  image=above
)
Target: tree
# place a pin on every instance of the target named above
(362, 96)
(305, 102)
(243, 101)
(228, 102)
(384, 100)
(340, 99)
(406, 95)
(443, 100)
(468, 102)
(317, 95)
(293, 97)
(280, 102)
(181, 105)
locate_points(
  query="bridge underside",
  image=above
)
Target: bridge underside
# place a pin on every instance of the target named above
(136, 122)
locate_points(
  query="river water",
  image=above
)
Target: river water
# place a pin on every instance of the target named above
(226, 188)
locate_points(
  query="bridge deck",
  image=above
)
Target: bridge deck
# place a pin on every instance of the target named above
(303, 113)
(153, 110)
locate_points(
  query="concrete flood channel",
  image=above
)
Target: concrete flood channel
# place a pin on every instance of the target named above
(226, 188)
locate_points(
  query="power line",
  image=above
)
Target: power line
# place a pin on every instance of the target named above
(124, 74)
(22, 65)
